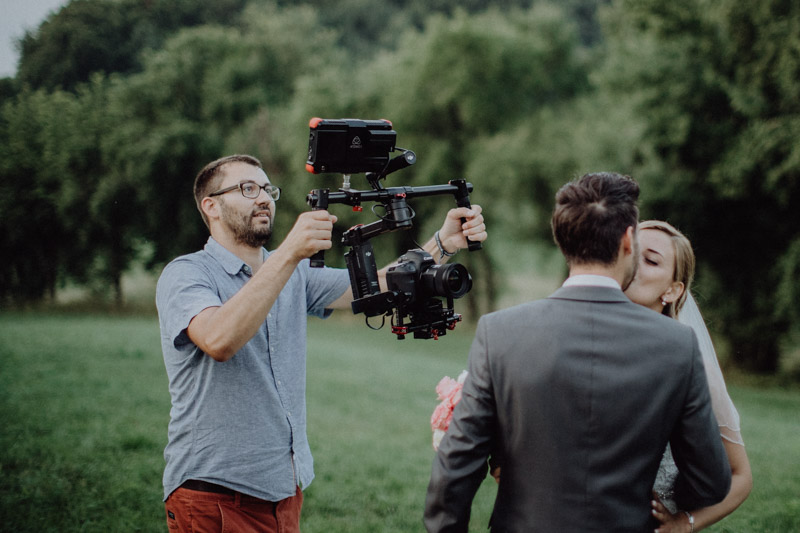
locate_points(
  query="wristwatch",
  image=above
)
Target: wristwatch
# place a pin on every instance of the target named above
(691, 521)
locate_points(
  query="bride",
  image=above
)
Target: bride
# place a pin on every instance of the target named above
(663, 284)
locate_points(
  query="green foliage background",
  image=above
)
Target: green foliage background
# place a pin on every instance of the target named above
(118, 103)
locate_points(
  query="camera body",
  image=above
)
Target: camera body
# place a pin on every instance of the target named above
(419, 283)
(416, 277)
(349, 146)
(416, 286)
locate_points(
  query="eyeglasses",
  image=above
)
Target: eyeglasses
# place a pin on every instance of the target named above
(251, 189)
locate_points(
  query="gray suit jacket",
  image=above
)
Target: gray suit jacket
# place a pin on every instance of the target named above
(577, 396)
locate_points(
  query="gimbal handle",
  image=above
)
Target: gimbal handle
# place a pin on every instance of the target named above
(318, 259)
(462, 200)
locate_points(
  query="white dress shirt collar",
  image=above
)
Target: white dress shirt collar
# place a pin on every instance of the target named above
(593, 280)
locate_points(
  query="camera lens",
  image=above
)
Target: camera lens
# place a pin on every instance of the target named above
(447, 280)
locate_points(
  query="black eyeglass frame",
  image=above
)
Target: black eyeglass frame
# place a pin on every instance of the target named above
(271, 190)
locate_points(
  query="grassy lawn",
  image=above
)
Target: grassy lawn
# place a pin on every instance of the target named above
(84, 409)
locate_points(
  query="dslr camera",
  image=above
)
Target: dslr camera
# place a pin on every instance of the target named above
(420, 292)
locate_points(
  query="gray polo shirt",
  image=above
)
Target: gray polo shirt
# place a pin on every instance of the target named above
(241, 423)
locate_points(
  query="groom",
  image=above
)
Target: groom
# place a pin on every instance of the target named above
(577, 395)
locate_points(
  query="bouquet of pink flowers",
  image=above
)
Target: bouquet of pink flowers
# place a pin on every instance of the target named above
(449, 392)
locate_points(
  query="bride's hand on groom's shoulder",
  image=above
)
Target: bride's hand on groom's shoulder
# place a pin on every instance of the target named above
(670, 523)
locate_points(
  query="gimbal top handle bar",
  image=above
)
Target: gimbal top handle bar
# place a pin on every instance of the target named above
(321, 198)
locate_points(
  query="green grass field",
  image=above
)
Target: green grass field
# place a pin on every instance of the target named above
(84, 409)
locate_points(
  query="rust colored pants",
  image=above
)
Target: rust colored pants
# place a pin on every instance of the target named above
(193, 511)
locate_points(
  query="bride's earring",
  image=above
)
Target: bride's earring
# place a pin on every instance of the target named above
(663, 302)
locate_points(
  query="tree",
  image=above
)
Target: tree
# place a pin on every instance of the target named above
(94, 176)
(64, 218)
(712, 82)
(30, 234)
(450, 90)
(83, 37)
(95, 209)
(108, 36)
(191, 103)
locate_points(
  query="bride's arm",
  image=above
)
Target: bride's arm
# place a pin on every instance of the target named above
(741, 483)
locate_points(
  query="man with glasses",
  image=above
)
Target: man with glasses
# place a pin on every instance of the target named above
(233, 334)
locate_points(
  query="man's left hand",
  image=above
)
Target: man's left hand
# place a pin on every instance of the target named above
(454, 233)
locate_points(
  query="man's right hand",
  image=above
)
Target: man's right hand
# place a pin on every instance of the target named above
(311, 233)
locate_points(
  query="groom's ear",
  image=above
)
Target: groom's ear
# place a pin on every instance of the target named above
(628, 240)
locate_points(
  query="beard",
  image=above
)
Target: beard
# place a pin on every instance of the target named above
(243, 226)
(634, 268)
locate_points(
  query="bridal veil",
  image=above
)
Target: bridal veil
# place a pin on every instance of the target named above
(724, 410)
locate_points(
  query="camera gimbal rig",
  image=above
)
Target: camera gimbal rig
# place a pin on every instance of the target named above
(416, 281)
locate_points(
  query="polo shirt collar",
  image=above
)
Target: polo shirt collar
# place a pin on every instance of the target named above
(229, 261)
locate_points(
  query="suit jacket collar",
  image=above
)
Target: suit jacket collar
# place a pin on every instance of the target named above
(590, 293)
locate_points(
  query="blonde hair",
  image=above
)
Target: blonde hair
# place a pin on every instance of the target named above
(684, 262)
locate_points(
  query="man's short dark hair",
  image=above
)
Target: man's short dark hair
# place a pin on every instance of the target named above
(592, 214)
(207, 180)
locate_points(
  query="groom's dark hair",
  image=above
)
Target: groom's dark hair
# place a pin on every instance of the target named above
(592, 214)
